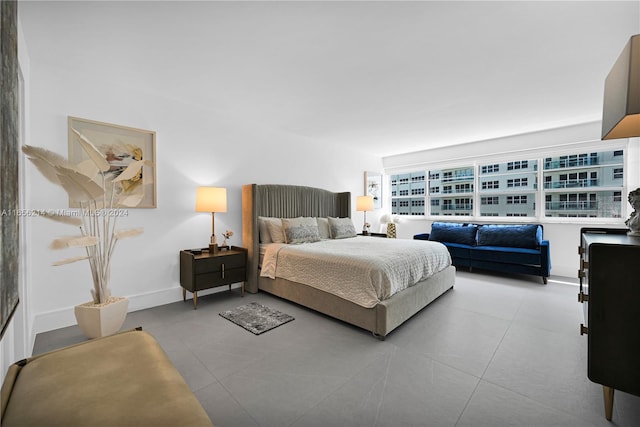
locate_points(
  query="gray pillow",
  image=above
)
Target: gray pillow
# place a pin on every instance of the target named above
(341, 228)
(300, 230)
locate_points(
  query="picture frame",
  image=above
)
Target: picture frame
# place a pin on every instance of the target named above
(10, 162)
(373, 187)
(120, 144)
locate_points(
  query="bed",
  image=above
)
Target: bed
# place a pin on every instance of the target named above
(291, 201)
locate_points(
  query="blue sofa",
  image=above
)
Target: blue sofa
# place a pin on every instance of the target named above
(509, 248)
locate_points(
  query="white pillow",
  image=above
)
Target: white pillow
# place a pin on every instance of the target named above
(274, 228)
(323, 228)
(341, 228)
(300, 230)
(265, 237)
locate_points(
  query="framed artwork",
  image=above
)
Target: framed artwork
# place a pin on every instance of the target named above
(373, 187)
(9, 161)
(121, 145)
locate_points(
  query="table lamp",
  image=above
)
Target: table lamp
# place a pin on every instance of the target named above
(211, 199)
(364, 204)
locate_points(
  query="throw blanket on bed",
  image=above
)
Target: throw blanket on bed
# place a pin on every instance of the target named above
(363, 270)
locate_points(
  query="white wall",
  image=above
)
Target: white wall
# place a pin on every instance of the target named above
(194, 147)
(563, 234)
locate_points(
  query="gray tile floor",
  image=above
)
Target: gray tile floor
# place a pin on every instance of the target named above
(494, 351)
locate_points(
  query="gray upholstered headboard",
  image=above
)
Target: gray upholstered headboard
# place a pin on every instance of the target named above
(283, 201)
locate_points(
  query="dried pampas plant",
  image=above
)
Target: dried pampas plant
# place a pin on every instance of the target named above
(65, 219)
(87, 184)
(74, 242)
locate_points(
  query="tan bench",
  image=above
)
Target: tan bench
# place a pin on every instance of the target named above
(121, 380)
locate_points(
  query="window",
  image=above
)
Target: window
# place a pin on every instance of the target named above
(517, 182)
(408, 191)
(516, 200)
(490, 185)
(516, 185)
(584, 185)
(489, 201)
(617, 173)
(446, 186)
(463, 188)
(522, 164)
(574, 185)
(489, 169)
(617, 196)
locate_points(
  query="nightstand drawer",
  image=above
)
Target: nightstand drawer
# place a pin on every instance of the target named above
(214, 264)
(217, 278)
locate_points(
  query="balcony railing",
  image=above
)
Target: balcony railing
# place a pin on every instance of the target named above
(557, 206)
(455, 191)
(458, 207)
(572, 163)
(571, 183)
(458, 177)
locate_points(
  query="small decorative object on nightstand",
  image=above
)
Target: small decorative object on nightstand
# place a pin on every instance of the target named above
(201, 269)
(391, 221)
(391, 230)
(227, 236)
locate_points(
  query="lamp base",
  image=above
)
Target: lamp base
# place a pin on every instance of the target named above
(213, 248)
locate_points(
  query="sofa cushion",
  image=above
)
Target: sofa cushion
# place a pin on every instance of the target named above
(514, 236)
(506, 255)
(453, 233)
(458, 250)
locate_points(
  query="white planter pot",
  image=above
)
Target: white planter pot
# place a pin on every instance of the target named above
(100, 320)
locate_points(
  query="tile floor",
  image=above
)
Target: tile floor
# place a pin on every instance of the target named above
(494, 351)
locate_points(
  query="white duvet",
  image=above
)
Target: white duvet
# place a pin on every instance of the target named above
(363, 270)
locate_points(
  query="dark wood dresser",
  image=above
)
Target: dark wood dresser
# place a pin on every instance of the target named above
(610, 292)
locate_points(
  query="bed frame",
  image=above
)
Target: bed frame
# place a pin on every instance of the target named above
(290, 201)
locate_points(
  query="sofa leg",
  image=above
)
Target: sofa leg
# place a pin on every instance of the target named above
(544, 280)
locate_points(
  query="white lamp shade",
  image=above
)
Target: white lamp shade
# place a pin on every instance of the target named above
(364, 203)
(211, 199)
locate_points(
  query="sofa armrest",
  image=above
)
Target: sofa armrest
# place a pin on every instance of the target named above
(545, 258)
(423, 236)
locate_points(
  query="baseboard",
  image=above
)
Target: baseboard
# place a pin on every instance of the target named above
(64, 317)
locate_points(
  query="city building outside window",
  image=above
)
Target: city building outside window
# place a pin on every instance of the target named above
(584, 185)
(573, 185)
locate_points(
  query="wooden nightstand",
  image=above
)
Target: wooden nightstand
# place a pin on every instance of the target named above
(201, 270)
